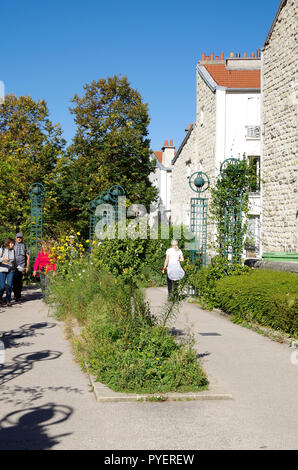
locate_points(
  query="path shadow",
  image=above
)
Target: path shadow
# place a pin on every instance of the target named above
(28, 396)
(9, 338)
(28, 429)
(35, 294)
(23, 363)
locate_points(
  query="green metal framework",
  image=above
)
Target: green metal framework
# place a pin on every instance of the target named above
(198, 226)
(111, 197)
(233, 238)
(37, 196)
(198, 182)
(232, 242)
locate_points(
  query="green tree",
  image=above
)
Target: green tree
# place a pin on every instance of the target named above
(110, 146)
(31, 150)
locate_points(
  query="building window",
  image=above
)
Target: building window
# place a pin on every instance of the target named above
(253, 132)
(188, 170)
(252, 240)
(254, 163)
(202, 116)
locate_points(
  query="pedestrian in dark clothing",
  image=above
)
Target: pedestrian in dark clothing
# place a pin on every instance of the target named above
(22, 265)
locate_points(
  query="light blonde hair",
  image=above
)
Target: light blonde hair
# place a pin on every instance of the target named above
(174, 244)
(47, 245)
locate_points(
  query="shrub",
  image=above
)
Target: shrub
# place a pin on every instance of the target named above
(204, 281)
(139, 261)
(123, 344)
(266, 297)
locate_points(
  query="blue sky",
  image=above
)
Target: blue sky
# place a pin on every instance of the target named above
(50, 49)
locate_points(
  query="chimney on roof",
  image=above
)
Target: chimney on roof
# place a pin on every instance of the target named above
(203, 57)
(207, 57)
(252, 55)
(168, 153)
(212, 56)
(222, 57)
(231, 55)
(244, 55)
(259, 53)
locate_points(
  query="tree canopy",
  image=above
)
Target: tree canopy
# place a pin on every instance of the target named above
(30, 150)
(110, 145)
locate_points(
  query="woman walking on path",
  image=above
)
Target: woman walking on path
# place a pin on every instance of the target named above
(174, 272)
(7, 267)
(44, 265)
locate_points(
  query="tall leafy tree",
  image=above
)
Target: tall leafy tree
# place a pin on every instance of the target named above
(110, 145)
(31, 148)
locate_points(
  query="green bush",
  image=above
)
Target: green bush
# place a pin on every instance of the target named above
(123, 344)
(266, 297)
(136, 260)
(204, 280)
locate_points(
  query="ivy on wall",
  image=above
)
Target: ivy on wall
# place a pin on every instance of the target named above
(229, 206)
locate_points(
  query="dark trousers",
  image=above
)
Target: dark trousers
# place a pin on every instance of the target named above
(44, 282)
(172, 285)
(17, 284)
(6, 278)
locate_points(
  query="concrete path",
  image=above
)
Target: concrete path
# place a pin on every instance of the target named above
(46, 401)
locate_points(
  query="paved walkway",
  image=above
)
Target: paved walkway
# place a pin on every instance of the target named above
(46, 401)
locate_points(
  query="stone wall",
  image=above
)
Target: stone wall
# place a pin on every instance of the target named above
(279, 134)
(185, 166)
(197, 154)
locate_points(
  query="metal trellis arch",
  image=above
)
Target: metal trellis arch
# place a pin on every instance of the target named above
(199, 182)
(37, 195)
(111, 197)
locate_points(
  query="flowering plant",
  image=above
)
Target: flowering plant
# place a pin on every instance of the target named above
(67, 249)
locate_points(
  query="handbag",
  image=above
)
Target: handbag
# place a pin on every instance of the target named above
(6, 265)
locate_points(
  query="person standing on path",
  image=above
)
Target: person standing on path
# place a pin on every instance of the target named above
(44, 265)
(172, 262)
(22, 265)
(7, 269)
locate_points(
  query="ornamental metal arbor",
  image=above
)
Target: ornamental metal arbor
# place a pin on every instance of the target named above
(112, 199)
(231, 243)
(37, 195)
(199, 183)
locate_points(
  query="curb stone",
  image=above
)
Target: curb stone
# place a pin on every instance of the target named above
(104, 394)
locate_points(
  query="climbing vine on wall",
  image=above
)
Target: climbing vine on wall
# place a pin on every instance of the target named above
(229, 206)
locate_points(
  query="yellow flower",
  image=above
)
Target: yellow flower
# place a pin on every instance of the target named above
(78, 233)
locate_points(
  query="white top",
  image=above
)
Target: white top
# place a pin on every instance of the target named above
(174, 255)
(7, 265)
(175, 272)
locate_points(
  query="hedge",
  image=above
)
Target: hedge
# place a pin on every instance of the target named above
(268, 298)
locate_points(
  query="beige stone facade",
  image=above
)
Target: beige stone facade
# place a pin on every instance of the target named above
(196, 153)
(279, 133)
(223, 94)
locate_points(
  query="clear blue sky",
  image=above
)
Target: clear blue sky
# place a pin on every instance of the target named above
(50, 49)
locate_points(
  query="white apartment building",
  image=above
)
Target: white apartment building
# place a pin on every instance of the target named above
(227, 125)
(162, 180)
